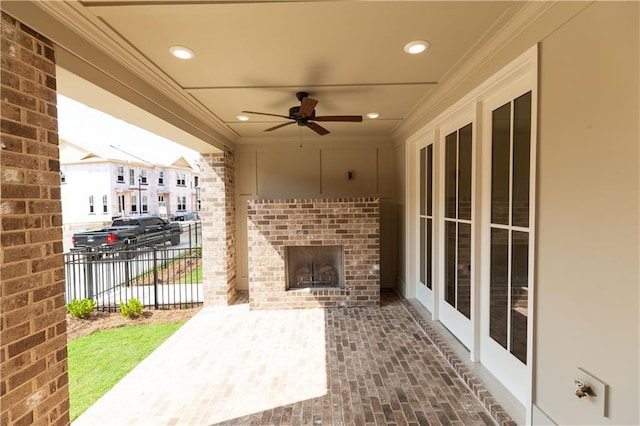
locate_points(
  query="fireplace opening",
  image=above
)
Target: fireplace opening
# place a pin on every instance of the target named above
(314, 267)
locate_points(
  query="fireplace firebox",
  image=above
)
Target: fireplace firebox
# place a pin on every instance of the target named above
(314, 267)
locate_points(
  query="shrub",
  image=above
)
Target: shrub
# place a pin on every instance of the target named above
(131, 309)
(80, 308)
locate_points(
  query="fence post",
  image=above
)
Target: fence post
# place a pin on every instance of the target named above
(127, 274)
(88, 270)
(155, 277)
(189, 234)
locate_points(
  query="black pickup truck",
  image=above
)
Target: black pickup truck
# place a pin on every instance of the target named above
(129, 233)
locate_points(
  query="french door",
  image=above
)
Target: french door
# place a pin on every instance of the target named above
(456, 292)
(508, 244)
(473, 208)
(425, 292)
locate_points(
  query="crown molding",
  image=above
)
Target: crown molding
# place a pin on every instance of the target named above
(81, 34)
(511, 28)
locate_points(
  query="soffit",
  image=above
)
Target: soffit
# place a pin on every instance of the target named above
(348, 55)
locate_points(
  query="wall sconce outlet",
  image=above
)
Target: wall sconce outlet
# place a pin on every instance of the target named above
(593, 392)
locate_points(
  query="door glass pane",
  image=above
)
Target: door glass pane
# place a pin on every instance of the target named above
(464, 173)
(430, 180)
(499, 285)
(450, 262)
(521, 159)
(464, 269)
(423, 180)
(451, 153)
(429, 243)
(519, 293)
(422, 250)
(500, 155)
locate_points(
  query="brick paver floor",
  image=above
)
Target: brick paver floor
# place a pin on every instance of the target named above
(233, 366)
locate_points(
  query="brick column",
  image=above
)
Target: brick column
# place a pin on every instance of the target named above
(218, 228)
(33, 339)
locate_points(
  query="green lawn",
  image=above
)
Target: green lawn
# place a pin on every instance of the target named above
(100, 360)
(194, 277)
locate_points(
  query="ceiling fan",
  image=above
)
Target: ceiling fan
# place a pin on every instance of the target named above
(305, 115)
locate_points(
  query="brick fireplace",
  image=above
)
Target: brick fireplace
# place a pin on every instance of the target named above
(349, 228)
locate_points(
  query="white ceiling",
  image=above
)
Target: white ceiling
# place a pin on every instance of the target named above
(255, 55)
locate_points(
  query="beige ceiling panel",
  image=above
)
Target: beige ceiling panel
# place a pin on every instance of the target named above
(303, 43)
(392, 102)
(255, 55)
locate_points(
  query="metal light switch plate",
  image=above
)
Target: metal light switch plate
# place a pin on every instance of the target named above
(598, 404)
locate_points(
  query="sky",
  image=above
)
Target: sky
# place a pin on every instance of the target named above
(91, 127)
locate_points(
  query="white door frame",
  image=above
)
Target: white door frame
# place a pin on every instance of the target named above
(511, 372)
(472, 108)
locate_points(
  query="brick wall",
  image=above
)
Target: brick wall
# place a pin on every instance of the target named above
(218, 226)
(353, 223)
(33, 355)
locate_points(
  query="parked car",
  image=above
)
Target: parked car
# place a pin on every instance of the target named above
(129, 233)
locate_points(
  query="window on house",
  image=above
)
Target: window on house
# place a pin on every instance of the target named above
(120, 174)
(195, 181)
(160, 178)
(105, 205)
(144, 204)
(132, 177)
(134, 204)
(181, 179)
(91, 206)
(160, 198)
(143, 177)
(182, 204)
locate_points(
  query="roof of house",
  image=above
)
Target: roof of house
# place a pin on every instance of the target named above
(84, 153)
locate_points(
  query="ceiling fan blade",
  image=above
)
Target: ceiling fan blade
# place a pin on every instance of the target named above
(266, 113)
(278, 126)
(317, 128)
(351, 118)
(307, 107)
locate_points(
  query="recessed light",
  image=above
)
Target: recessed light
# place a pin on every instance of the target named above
(416, 46)
(182, 52)
(242, 117)
(373, 115)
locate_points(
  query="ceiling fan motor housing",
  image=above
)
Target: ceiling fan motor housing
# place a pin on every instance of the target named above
(294, 112)
(308, 116)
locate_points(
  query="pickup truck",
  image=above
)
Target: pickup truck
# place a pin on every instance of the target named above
(129, 233)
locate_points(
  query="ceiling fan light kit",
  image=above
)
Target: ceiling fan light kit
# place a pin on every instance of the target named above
(304, 115)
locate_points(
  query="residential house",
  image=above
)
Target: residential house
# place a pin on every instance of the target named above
(122, 184)
(505, 160)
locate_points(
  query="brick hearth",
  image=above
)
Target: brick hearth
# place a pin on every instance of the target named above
(353, 223)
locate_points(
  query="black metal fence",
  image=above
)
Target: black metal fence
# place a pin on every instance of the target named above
(158, 275)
